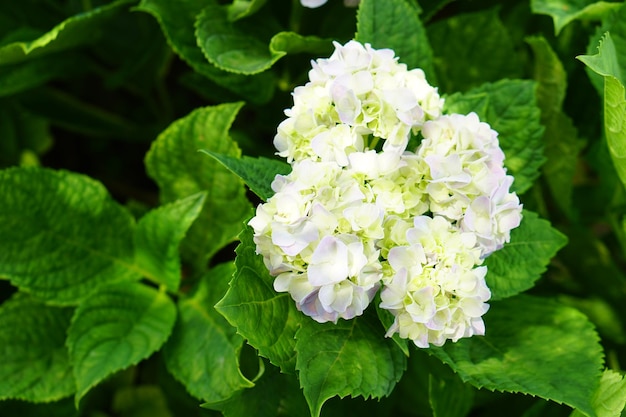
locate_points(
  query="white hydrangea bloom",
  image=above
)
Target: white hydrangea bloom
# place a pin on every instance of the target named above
(358, 91)
(435, 290)
(467, 181)
(317, 235)
(359, 211)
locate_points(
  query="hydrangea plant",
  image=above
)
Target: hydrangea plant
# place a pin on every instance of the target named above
(433, 228)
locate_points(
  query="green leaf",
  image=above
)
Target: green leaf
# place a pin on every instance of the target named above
(244, 8)
(562, 144)
(533, 346)
(177, 21)
(80, 29)
(180, 171)
(565, 11)
(158, 235)
(203, 352)
(257, 173)
(294, 43)
(35, 364)
(351, 357)
(266, 319)
(615, 24)
(230, 49)
(243, 52)
(606, 64)
(21, 133)
(610, 396)
(63, 236)
(471, 49)
(509, 106)
(117, 327)
(523, 260)
(395, 24)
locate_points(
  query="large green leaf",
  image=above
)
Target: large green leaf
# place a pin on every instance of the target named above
(395, 24)
(177, 21)
(230, 48)
(35, 364)
(509, 106)
(351, 357)
(158, 235)
(63, 236)
(267, 319)
(180, 171)
(77, 30)
(562, 144)
(523, 260)
(203, 352)
(565, 11)
(257, 173)
(606, 64)
(533, 346)
(115, 328)
(471, 49)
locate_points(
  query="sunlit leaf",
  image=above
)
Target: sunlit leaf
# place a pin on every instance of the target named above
(180, 171)
(257, 173)
(63, 236)
(266, 319)
(606, 64)
(521, 262)
(35, 364)
(351, 357)
(117, 327)
(158, 235)
(533, 346)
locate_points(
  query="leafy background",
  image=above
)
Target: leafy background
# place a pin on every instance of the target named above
(119, 288)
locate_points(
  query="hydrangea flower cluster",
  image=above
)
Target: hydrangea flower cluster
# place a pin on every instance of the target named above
(360, 212)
